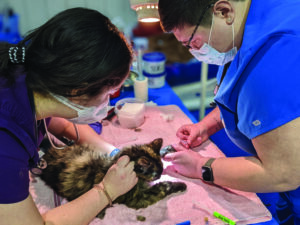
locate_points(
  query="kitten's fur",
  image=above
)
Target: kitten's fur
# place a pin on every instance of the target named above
(74, 170)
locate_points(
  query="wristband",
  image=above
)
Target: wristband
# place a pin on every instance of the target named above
(101, 188)
(114, 152)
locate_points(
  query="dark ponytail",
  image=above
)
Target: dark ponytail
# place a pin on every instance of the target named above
(78, 49)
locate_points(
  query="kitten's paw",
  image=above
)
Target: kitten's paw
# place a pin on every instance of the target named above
(179, 186)
(165, 150)
(173, 187)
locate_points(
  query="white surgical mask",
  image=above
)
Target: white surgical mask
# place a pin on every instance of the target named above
(210, 55)
(85, 115)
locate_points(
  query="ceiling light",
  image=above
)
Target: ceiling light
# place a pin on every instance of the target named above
(147, 10)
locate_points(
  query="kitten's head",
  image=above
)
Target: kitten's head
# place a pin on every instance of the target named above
(148, 164)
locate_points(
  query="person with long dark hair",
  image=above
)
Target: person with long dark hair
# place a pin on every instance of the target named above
(57, 80)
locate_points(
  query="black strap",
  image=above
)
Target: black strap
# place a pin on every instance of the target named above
(209, 162)
(224, 73)
(226, 66)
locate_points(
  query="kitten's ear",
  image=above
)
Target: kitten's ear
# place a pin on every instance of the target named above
(156, 144)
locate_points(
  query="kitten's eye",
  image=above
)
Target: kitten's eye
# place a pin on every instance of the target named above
(144, 162)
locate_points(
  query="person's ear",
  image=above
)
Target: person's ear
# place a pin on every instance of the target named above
(224, 9)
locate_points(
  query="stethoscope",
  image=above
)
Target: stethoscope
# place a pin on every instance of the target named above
(42, 164)
(65, 140)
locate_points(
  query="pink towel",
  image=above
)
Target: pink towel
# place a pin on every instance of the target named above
(200, 199)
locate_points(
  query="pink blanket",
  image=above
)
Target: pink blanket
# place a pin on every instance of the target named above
(198, 202)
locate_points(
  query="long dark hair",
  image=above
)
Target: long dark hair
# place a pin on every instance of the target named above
(78, 49)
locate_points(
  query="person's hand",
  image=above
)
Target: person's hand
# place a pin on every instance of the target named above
(192, 135)
(120, 178)
(180, 147)
(187, 163)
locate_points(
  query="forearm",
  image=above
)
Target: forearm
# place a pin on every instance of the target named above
(61, 127)
(248, 174)
(275, 169)
(79, 211)
(89, 136)
(212, 122)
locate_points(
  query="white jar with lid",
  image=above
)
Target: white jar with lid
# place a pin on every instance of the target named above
(154, 69)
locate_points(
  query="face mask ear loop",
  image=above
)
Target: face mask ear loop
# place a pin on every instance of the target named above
(65, 101)
(211, 27)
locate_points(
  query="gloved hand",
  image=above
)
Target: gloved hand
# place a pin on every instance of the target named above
(187, 163)
(192, 135)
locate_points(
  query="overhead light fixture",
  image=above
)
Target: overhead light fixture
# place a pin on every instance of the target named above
(146, 10)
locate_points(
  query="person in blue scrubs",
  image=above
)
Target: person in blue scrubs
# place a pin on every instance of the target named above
(256, 43)
(59, 75)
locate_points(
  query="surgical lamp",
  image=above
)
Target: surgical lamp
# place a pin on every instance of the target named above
(147, 10)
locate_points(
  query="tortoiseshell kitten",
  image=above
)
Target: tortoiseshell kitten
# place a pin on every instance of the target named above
(74, 170)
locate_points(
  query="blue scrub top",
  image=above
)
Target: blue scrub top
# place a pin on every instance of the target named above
(260, 90)
(19, 142)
